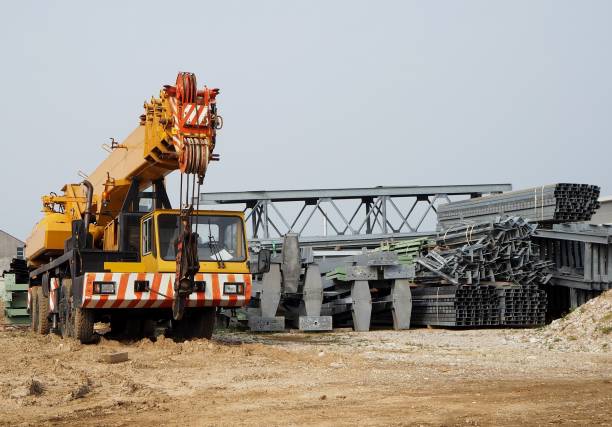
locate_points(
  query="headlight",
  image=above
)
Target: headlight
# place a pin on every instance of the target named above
(104, 288)
(233, 288)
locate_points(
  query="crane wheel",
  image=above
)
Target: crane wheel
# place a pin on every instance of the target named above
(42, 326)
(83, 320)
(75, 321)
(34, 308)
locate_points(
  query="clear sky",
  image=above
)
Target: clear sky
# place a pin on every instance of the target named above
(314, 94)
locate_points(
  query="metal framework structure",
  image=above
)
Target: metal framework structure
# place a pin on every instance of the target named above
(350, 216)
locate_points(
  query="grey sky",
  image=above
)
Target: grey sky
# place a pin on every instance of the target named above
(314, 94)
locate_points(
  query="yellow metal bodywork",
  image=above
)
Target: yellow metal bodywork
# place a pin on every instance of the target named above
(151, 264)
(50, 233)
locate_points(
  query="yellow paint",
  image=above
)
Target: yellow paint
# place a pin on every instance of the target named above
(48, 235)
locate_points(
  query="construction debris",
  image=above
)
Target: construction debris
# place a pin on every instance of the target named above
(548, 204)
(586, 329)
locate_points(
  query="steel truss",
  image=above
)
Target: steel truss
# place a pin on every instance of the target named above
(348, 215)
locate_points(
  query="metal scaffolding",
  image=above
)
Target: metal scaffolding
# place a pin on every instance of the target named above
(350, 216)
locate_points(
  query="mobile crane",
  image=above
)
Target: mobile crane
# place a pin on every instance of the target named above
(108, 250)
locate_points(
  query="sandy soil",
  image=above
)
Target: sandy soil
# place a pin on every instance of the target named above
(416, 377)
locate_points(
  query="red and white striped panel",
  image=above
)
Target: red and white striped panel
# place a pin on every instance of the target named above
(161, 291)
(188, 114)
(195, 115)
(53, 287)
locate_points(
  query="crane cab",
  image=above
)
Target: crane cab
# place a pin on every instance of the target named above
(222, 245)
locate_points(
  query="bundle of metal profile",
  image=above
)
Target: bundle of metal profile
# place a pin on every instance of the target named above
(547, 204)
(521, 305)
(494, 251)
(461, 306)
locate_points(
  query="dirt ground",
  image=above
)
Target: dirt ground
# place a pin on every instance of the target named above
(415, 377)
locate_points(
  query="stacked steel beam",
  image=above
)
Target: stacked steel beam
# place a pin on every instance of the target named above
(480, 258)
(548, 204)
(462, 306)
(521, 305)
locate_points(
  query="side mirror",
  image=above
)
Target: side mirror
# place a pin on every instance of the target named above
(263, 260)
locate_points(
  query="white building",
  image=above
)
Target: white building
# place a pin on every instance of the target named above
(604, 213)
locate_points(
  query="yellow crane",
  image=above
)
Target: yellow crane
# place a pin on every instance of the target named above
(111, 248)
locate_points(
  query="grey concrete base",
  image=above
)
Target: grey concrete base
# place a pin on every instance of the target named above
(313, 291)
(402, 304)
(315, 323)
(267, 324)
(271, 291)
(362, 305)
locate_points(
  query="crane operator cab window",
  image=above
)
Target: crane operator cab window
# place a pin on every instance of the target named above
(147, 236)
(220, 238)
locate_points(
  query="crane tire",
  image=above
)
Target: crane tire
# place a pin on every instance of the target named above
(42, 326)
(83, 319)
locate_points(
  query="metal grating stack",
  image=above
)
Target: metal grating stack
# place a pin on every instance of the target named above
(548, 204)
(521, 305)
(461, 306)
